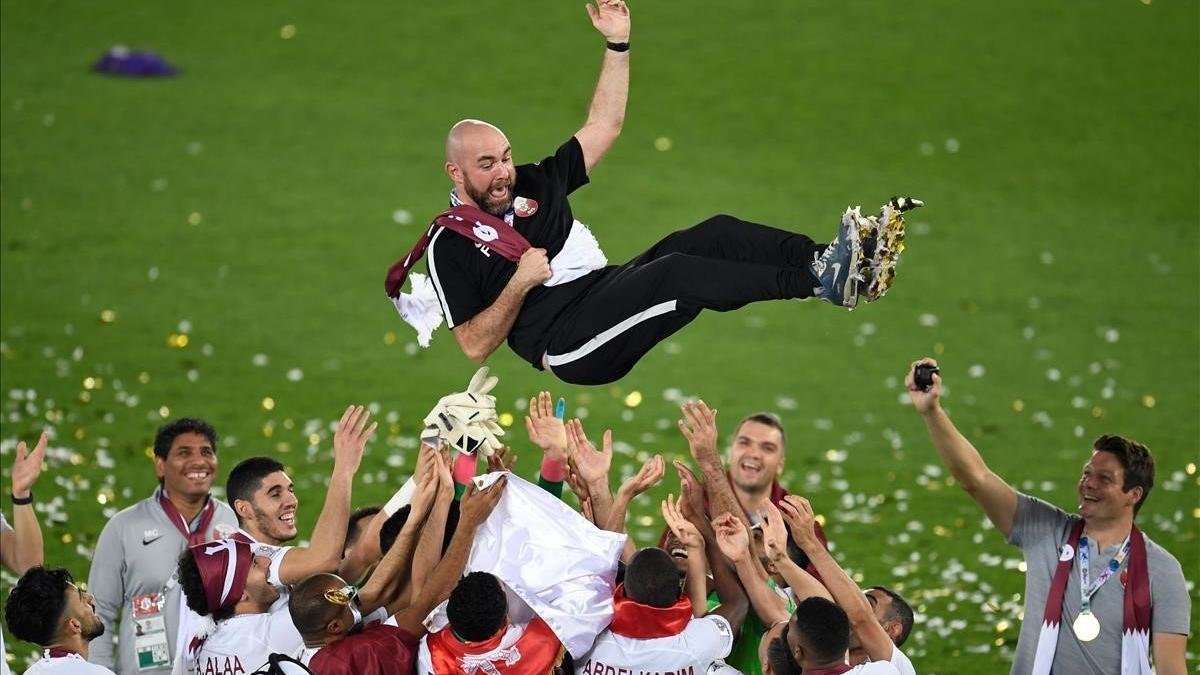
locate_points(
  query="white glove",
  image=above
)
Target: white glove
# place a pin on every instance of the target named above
(467, 420)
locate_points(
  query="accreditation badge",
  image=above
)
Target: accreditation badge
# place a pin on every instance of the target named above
(150, 631)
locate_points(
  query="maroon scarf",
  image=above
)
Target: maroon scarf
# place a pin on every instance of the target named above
(474, 224)
(1135, 625)
(181, 523)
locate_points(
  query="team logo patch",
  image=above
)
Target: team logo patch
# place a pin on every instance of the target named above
(1066, 553)
(524, 207)
(485, 232)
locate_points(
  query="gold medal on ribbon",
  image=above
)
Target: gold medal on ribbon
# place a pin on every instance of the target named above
(1086, 626)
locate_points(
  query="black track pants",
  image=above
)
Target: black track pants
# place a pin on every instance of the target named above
(721, 264)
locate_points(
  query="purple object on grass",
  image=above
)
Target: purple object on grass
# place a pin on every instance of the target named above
(121, 60)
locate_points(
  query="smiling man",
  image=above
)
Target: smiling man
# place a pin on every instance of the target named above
(134, 563)
(511, 263)
(49, 610)
(1108, 598)
(264, 499)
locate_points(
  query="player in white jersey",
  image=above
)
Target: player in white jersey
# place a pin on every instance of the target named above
(880, 619)
(655, 627)
(49, 610)
(264, 499)
(819, 635)
(225, 580)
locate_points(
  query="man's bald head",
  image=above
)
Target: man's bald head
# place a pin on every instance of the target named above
(479, 163)
(311, 611)
(468, 135)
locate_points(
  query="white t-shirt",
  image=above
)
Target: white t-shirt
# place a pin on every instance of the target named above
(703, 641)
(242, 643)
(72, 664)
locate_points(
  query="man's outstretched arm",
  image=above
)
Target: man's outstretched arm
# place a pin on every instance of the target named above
(607, 112)
(487, 330)
(998, 499)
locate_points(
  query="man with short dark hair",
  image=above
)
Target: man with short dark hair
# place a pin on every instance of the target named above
(880, 620)
(49, 610)
(21, 546)
(135, 558)
(819, 634)
(264, 500)
(656, 627)
(1107, 596)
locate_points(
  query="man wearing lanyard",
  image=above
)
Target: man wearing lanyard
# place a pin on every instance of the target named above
(134, 564)
(1108, 597)
(49, 610)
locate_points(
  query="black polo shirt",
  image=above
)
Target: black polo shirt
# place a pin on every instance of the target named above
(468, 277)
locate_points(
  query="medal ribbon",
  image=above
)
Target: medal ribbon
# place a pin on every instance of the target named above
(1086, 589)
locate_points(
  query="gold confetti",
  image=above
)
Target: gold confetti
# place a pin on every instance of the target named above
(89, 383)
(820, 518)
(390, 338)
(1018, 405)
(144, 377)
(1097, 412)
(177, 340)
(506, 419)
(288, 32)
(268, 403)
(79, 434)
(85, 396)
(1001, 625)
(1196, 513)
(634, 399)
(66, 538)
(1148, 401)
(194, 218)
(662, 144)
(939, 348)
(1190, 468)
(268, 429)
(150, 452)
(999, 642)
(102, 498)
(164, 412)
(941, 531)
(108, 316)
(314, 439)
(283, 446)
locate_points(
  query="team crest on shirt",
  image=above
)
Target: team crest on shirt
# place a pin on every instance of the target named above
(524, 207)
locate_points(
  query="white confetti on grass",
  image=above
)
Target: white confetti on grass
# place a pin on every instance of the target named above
(928, 320)
(977, 371)
(260, 360)
(295, 375)
(402, 216)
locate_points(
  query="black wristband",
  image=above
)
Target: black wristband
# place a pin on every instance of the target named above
(19, 501)
(617, 46)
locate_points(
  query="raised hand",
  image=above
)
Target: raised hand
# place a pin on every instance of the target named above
(699, 427)
(502, 460)
(691, 494)
(798, 514)
(592, 464)
(611, 19)
(28, 466)
(684, 531)
(732, 537)
(650, 475)
(924, 401)
(351, 438)
(774, 533)
(545, 430)
(477, 504)
(428, 486)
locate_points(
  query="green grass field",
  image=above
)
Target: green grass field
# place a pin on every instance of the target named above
(251, 206)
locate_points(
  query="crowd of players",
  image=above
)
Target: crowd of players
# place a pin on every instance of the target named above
(491, 574)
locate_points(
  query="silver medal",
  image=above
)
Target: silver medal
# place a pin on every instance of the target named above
(1086, 626)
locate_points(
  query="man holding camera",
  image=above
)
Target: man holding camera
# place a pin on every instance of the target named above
(1109, 598)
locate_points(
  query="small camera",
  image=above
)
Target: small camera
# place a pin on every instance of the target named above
(923, 375)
